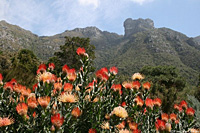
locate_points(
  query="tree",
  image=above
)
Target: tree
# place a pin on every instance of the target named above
(67, 54)
(23, 68)
(166, 83)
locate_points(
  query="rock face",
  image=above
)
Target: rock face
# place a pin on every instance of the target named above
(133, 26)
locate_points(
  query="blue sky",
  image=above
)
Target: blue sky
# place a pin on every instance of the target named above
(50, 17)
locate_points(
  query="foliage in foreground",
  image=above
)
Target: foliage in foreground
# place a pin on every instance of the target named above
(74, 102)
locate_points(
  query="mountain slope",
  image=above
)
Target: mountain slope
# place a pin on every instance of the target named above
(142, 45)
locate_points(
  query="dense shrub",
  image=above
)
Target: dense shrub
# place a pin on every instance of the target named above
(74, 101)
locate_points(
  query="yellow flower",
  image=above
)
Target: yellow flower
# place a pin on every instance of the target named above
(105, 125)
(120, 112)
(67, 97)
(137, 76)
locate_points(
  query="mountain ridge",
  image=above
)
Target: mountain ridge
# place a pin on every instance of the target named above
(142, 44)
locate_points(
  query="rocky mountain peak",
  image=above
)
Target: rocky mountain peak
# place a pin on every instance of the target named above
(133, 26)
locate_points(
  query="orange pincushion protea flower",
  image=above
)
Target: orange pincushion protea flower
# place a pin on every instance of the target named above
(139, 101)
(1, 79)
(117, 87)
(190, 111)
(120, 112)
(92, 130)
(146, 85)
(13, 82)
(121, 125)
(41, 69)
(105, 125)
(22, 109)
(51, 66)
(76, 112)
(157, 102)
(65, 68)
(133, 125)
(71, 74)
(102, 74)
(32, 102)
(44, 101)
(57, 120)
(160, 125)
(47, 77)
(80, 51)
(114, 70)
(137, 76)
(124, 131)
(173, 117)
(58, 86)
(68, 87)
(136, 85)
(149, 103)
(6, 121)
(67, 97)
(25, 92)
(183, 104)
(164, 117)
(178, 107)
(127, 85)
(8, 86)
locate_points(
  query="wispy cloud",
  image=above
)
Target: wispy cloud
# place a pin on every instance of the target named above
(48, 18)
(141, 2)
(94, 3)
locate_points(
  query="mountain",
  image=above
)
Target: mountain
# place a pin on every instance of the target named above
(197, 39)
(141, 45)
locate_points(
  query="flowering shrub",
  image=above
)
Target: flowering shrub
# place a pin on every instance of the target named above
(74, 101)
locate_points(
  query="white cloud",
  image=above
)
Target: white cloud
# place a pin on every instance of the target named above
(141, 2)
(94, 3)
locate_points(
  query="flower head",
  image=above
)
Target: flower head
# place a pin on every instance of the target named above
(120, 112)
(146, 85)
(137, 76)
(173, 117)
(1, 79)
(114, 70)
(57, 120)
(121, 125)
(127, 85)
(157, 102)
(65, 68)
(160, 125)
(80, 51)
(190, 111)
(6, 121)
(105, 125)
(165, 117)
(92, 130)
(76, 112)
(67, 97)
(133, 125)
(139, 101)
(71, 74)
(44, 101)
(51, 66)
(102, 74)
(8, 86)
(149, 103)
(22, 109)
(68, 87)
(183, 104)
(32, 102)
(47, 77)
(41, 69)
(136, 85)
